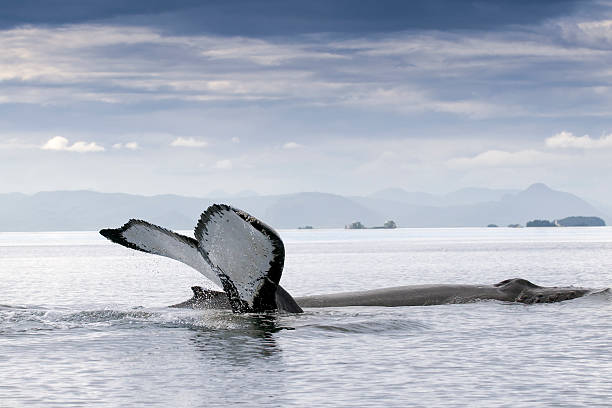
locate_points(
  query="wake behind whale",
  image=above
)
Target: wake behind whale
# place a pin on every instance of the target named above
(245, 257)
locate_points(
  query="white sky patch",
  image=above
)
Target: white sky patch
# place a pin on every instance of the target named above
(235, 139)
(567, 140)
(60, 143)
(262, 52)
(389, 162)
(224, 164)
(188, 142)
(409, 101)
(15, 143)
(500, 158)
(292, 145)
(128, 145)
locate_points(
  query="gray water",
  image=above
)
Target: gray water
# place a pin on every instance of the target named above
(84, 322)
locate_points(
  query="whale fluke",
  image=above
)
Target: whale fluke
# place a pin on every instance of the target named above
(146, 237)
(246, 254)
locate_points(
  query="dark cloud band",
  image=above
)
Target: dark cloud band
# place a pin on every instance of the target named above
(286, 17)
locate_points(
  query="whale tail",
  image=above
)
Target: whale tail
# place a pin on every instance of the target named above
(246, 254)
(152, 239)
(234, 250)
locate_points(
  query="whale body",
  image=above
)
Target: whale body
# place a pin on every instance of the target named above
(244, 258)
(511, 290)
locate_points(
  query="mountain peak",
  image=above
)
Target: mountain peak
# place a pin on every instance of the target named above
(538, 188)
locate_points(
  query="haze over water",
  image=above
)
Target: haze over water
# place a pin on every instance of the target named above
(84, 322)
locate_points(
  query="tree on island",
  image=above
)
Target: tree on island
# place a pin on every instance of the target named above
(390, 224)
(540, 223)
(355, 225)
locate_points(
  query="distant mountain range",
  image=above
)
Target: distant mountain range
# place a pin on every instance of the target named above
(88, 210)
(459, 197)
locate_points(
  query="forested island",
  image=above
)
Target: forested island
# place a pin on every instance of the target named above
(569, 222)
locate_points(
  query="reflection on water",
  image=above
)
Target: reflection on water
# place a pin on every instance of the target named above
(252, 337)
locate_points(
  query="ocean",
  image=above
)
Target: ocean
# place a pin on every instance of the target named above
(84, 322)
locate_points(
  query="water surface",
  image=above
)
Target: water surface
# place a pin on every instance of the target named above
(84, 322)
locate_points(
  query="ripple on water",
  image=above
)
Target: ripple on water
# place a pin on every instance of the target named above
(21, 320)
(337, 322)
(25, 320)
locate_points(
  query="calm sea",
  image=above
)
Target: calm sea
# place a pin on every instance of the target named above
(84, 322)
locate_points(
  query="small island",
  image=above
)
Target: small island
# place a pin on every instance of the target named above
(581, 222)
(387, 225)
(306, 227)
(358, 225)
(569, 222)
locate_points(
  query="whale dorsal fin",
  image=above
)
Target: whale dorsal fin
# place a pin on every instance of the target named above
(246, 254)
(152, 239)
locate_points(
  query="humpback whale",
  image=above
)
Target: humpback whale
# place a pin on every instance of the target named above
(244, 257)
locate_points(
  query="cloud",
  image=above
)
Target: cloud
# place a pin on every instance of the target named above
(567, 140)
(404, 99)
(469, 74)
(265, 53)
(60, 143)
(500, 158)
(188, 142)
(128, 145)
(597, 33)
(273, 18)
(224, 164)
(235, 139)
(292, 145)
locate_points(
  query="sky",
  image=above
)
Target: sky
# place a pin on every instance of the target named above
(189, 97)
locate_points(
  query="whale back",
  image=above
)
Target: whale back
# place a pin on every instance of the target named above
(524, 291)
(247, 255)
